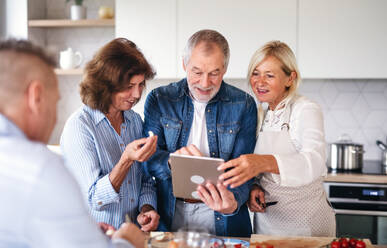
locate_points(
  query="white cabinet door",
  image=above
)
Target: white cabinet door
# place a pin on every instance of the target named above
(246, 24)
(343, 39)
(14, 19)
(151, 24)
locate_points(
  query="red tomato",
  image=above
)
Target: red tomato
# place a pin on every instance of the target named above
(335, 244)
(269, 246)
(258, 246)
(352, 243)
(360, 244)
(344, 243)
(238, 246)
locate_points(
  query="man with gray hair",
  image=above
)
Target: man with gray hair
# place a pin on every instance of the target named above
(42, 204)
(202, 116)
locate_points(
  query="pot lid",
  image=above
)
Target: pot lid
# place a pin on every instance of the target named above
(345, 139)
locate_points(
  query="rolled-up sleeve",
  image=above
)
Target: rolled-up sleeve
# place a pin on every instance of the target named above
(308, 163)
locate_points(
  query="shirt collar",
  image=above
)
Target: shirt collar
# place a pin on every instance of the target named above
(8, 128)
(98, 116)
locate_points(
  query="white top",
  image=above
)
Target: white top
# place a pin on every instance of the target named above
(306, 129)
(198, 133)
(42, 205)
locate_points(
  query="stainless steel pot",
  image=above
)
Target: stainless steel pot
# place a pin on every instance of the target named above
(345, 155)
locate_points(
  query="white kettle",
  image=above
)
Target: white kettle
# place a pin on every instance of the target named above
(69, 59)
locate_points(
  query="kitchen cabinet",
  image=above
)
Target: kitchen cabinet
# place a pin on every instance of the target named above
(162, 28)
(13, 19)
(246, 24)
(342, 39)
(151, 24)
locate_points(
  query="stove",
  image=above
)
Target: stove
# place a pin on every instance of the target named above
(370, 167)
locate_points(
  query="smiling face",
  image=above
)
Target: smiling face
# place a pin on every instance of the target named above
(205, 70)
(127, 98)
(269, 82)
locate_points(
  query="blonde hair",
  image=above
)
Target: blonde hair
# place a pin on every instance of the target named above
(285, 55)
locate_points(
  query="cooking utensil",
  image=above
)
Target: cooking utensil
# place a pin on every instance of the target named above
(384, 152)
(345, 154)
(381, 145)
(384, 158)
(265, 204)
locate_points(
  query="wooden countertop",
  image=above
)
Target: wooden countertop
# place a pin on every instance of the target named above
(355, 178)
(372, 172)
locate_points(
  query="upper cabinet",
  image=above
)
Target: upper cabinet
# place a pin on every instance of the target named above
(161, 28)
(151, 24)
(246, 24)
(331, 39)
(342, 39)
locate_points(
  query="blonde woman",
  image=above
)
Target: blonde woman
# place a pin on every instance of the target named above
(289, 157)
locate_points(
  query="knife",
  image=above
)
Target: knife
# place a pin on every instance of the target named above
(266, 204)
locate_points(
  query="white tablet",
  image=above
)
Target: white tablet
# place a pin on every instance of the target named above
(189, 171)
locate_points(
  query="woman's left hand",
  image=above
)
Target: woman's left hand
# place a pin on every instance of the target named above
(148, 219)
(246, 167)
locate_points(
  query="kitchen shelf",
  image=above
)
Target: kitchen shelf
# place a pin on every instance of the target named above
(77, 71)
(71, 23)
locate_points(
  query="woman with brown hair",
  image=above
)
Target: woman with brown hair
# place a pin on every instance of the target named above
(103, 142)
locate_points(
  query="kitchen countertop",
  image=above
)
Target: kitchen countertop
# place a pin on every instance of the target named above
(371, 172)
(355, 178)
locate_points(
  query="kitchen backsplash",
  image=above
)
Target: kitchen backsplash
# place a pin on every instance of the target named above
(352, 106)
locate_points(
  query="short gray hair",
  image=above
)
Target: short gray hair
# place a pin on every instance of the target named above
(209, 37)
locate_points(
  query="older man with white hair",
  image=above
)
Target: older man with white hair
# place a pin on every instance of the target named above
(204, 116)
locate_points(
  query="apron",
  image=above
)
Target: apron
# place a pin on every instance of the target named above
(300, 211)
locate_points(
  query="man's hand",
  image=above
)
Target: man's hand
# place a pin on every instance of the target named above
(189, 150)
(148, 219)
(132, 234)
(256, 193)
(218, 198)
(107, 229)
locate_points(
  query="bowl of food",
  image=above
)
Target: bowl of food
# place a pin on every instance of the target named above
(186, 239)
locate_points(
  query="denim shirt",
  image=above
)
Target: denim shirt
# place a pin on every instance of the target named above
(231, 118)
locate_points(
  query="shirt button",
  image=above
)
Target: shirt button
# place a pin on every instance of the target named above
(132, 200)
(230, 130)
(217, 218)
(121, 145)
(99, 203)
(128, 181)
(213, 153)
(208, 110)
(210, 131)
(167, 125)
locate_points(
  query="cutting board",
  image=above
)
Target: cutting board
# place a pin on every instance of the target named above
(296, 242)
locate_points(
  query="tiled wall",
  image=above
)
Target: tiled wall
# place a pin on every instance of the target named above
(353, 106)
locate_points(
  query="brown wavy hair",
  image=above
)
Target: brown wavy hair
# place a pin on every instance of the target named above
(110, 70)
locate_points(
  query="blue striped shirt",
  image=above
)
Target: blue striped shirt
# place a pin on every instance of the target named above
(92, 148)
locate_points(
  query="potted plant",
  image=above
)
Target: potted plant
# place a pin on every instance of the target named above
(77, 10)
